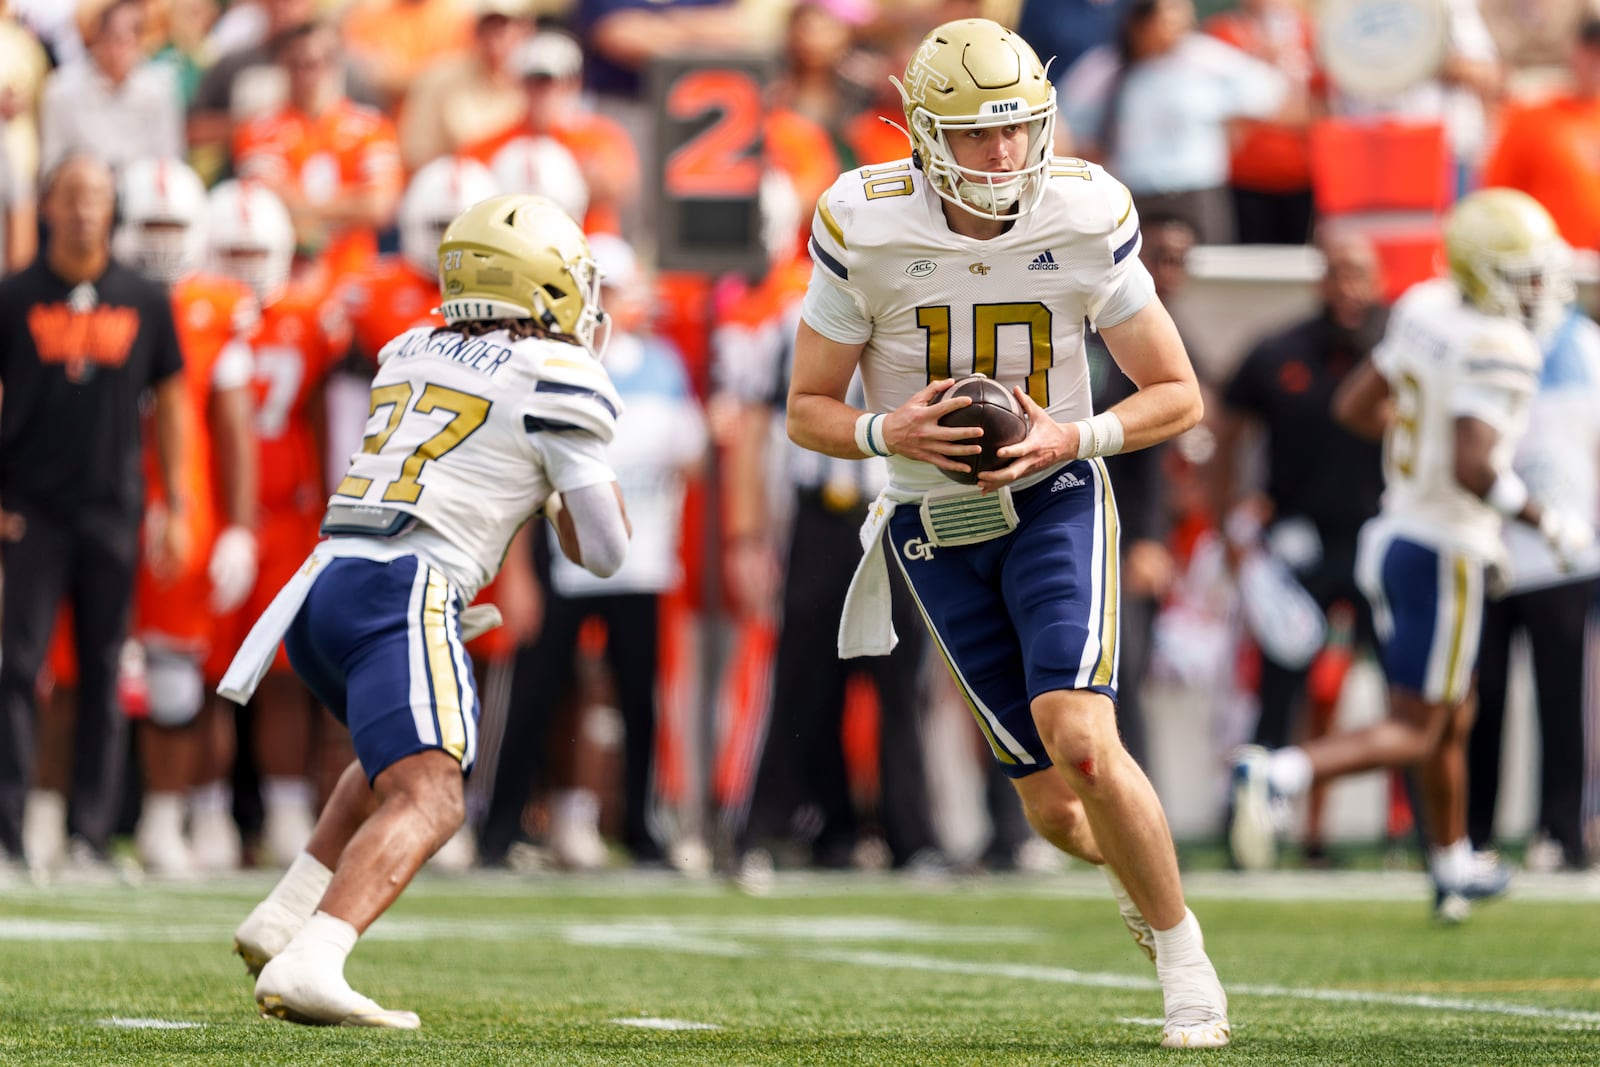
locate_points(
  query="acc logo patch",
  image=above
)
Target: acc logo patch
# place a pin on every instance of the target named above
(922, 268)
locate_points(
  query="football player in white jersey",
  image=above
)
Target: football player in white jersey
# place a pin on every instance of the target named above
(475, 427)
(1448, 388)
(983, 253)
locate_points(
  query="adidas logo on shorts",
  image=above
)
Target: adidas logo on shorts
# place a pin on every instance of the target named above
(1045, 260)
(1066, 480)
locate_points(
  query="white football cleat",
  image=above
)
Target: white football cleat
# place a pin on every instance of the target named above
(292, 990)
(1196, 1006)
(265, 932)
(1257, 811)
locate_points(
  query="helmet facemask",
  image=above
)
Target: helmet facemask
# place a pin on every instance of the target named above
(987, 194)
(1534, 287)
(163, 250)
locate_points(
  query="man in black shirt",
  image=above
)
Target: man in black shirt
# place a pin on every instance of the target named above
(81, 340)
(1322, 482)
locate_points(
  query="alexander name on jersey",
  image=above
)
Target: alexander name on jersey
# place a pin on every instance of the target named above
(476, 353)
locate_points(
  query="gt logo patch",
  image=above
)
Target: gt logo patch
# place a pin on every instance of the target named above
(917, 548)
(978, 268)
(920, 74)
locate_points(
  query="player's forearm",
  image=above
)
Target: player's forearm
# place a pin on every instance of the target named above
(1158, 412)
(237, 458)
(824, 424)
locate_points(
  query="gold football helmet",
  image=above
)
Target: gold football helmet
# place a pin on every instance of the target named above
(520, 256)
(972, 74)
(1507, 257)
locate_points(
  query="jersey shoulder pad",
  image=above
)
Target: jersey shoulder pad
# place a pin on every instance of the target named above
(571, 391)
(1500, 353)
(1092, 205)
(858, 212)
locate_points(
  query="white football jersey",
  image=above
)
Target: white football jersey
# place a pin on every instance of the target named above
(1444, 359)
(944, 305)
(472, 434)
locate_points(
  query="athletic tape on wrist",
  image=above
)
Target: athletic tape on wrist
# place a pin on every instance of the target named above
(1100, 435)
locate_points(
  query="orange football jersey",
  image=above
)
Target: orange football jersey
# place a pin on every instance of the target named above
(299, 338)
(347, 147)
(212, 314)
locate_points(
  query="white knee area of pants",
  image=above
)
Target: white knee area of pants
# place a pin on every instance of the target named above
(175, 687)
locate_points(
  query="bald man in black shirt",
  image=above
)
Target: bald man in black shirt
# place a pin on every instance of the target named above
(82, 339)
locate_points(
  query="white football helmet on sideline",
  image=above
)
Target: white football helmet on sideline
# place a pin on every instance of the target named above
(543, 167)
(251, 236)
(973, 74)
(437, 193)
(161, 227)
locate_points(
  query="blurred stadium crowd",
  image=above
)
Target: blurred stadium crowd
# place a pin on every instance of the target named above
(690, 710)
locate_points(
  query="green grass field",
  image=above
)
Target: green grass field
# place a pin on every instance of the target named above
(634, 969)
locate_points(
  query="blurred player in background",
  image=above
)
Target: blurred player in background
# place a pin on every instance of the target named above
(922, 270)
(476, 426)
(162, 234)
(301, 334)
(1449, 389)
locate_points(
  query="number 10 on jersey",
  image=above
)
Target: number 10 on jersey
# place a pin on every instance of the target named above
(986, 322)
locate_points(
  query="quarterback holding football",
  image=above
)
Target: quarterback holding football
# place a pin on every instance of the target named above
(982, 253)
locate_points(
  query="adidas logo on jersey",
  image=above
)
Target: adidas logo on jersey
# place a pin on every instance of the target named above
(1045, 260)
(1066, 480)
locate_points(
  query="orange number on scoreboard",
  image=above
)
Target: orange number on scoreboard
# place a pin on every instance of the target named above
(718, 161)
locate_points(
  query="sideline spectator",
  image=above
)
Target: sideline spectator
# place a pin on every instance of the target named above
(19, 224)
(81, 339)
(115, 106)
(464, 98)
(1270, 169)
(244, 82)
(1547, 149)
(551, 66)
(334, 163)
(392, 41)
(1154, 108)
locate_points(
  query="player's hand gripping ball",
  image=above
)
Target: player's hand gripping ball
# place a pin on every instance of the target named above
(997, 412)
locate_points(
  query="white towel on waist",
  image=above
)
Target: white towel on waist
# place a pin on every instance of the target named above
(866, 627)
(254, 658)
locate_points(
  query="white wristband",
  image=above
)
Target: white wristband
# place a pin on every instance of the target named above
(1100, 435)
(869, 435)
(1508, 495)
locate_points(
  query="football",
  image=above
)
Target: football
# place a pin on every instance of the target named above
(997, 411)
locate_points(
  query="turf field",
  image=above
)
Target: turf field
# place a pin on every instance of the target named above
(855, 969)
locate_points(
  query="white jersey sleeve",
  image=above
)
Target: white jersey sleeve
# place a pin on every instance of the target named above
(935, 304)
(472, 434)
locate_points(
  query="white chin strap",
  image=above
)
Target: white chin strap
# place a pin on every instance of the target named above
(989, 195)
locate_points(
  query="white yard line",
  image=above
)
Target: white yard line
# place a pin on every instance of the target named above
(1067, 976)
(652, 1023)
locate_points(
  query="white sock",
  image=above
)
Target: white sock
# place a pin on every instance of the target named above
(327, 936)
(163, 809)
(1451, 864)
(1180, 945)
(280, 793)
(300, 889)
(211, 797)
(1289, 770)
